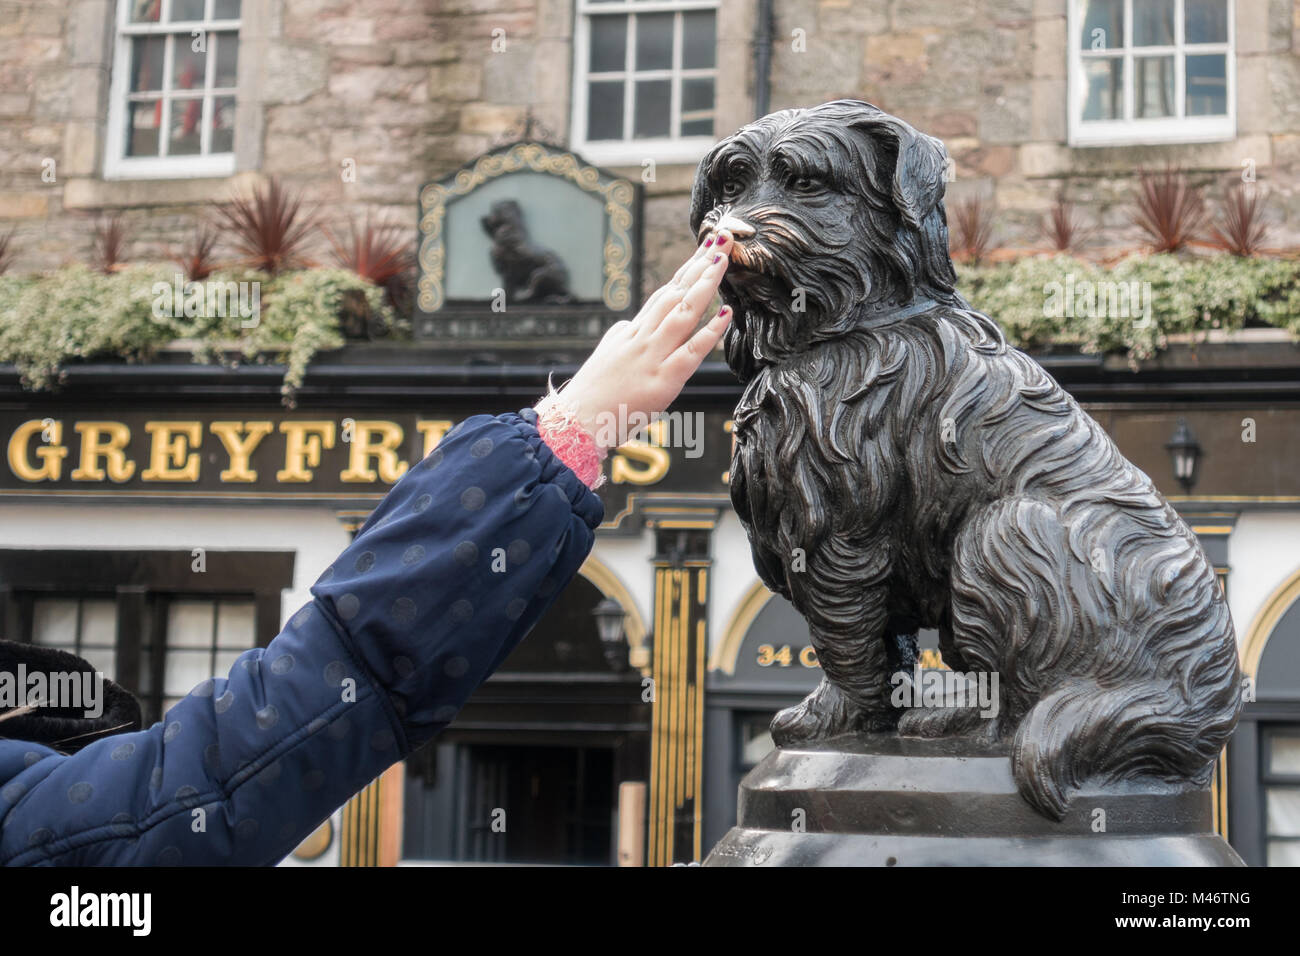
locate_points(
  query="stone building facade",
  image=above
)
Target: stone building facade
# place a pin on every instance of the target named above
(107, 108)
(359, 103)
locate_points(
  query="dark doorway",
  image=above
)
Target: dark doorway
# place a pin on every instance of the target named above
(538, 804)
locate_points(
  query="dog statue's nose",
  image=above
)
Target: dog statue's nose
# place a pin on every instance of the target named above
(737, 227)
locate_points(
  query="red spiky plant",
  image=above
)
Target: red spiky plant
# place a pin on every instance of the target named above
(1168, 209)
(110, 238)
(971, 235)
(379, 251)
(1063, 228)
(1241, 229)
(8, 252)
(272, 227)
(195, 255)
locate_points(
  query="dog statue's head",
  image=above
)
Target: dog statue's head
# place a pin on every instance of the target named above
(838, 217)
(504, 222)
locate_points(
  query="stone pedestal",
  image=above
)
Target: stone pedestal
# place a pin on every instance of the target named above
(881, 800)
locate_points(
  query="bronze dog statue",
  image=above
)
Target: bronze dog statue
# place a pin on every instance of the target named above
(897, 465)
(529, 272)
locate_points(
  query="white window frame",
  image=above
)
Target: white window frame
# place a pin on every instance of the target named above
(1172, 129)
(667, 149)
(117, 165)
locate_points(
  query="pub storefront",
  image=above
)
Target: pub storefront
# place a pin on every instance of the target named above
(160, 518)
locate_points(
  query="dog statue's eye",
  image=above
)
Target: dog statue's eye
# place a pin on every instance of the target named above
(732, 188)
(806, 184)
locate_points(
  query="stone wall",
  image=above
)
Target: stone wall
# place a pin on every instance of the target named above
(408, 90)
(989, 78)
(321, 83)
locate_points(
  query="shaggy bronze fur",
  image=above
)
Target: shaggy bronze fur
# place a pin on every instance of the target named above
(898, 465)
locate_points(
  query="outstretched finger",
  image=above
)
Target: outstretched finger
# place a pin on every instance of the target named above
(687, 358)
(682, 319)
(708, 267)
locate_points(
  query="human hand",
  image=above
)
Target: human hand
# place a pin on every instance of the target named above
(640, 366)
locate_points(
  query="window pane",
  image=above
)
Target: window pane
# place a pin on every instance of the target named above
(225, 10)
(235, 625)
(187, 123)
(1103, 25)
(183, 669)
(146, 11)
(142, 128)
(1206, 21)
(223, 125)
(654, 41)
(1283, 853)
(99, 623)
(1284, 755)
(697, 107)
(1283, 811)
(608, 44)
(653, 99)
(146, 64)
(699, 39)
(189, 623)
(1153, 93)
(1105, 80)
(605, 110)
(54, 622)
(227, 59)
(187, 10)
(103, 660)
(225, 661)
(1207, 85)
(1153, 22)
(189, 67)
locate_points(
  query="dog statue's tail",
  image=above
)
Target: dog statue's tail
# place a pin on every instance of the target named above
(1129, 664)
(1169, 729)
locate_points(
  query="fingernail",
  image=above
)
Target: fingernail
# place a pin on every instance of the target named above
(724, 310)
(710, 242)
(717, 257)
(722, 241)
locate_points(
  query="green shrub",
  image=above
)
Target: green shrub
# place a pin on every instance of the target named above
(1186, 295)
(77, 314)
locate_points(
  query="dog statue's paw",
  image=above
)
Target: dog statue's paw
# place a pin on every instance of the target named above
(947, 722)
(826, 712)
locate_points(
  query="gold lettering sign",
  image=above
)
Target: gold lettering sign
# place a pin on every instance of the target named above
(304, 442)
(377, 440)
(107, 440)
(433, 432)
(170, 458)
(240, 440)
(653, 460)
(51, 453)
(329, 455)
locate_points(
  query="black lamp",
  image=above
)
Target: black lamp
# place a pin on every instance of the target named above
(609, 617)
(1185, 451)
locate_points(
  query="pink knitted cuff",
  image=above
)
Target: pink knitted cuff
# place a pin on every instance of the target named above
(572, 443)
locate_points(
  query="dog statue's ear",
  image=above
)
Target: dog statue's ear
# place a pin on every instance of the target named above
(702, 199)
(920, 171)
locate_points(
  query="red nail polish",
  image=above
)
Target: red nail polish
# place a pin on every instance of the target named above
(710, 242)
(722, 241)
(724, 310)
(717, 257)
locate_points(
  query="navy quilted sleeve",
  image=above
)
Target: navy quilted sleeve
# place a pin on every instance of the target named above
(449, 573)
